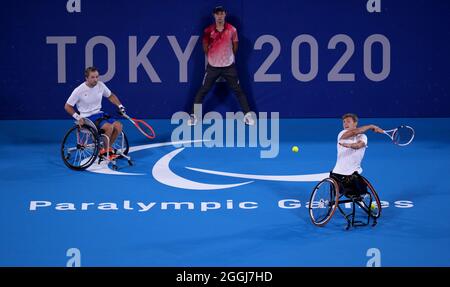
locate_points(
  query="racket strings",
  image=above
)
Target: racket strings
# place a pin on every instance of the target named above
(403, 135)
(145, 128)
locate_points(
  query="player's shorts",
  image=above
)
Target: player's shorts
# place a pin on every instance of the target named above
(101, 118)
(352, 184)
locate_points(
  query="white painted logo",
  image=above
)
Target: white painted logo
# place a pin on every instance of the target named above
(162, 172)
(127, 205)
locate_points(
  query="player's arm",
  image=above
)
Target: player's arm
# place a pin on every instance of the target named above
(235, 40)
(205, 47)
(205, 41)
(235, 47)
(357, 145)
(360, 130)
(115, 100)
(71, 111)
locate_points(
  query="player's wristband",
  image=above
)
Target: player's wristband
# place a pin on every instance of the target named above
(76, 116)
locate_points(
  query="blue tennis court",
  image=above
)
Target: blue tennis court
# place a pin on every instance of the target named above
(220, 220)
(205, 194)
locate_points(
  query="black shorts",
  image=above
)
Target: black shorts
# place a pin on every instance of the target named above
(350, 185)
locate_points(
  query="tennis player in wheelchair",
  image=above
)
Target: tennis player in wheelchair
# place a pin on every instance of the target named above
(97, 131)
(346, 184)
(87, 97)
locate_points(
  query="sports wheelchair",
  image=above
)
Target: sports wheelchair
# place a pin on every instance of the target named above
(336, 190)
(81, 145)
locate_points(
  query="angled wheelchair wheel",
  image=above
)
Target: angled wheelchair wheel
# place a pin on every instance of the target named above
(323, 202)
(80, 147)
(121, 146)
(371, 200)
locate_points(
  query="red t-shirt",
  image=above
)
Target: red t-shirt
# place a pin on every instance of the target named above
(220, 52)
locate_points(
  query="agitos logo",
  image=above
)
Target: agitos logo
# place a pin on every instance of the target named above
(162, 173)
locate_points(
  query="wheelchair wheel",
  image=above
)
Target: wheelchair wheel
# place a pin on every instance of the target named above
(324, 201)
(80, 147)
(371, 200)
(121, 146)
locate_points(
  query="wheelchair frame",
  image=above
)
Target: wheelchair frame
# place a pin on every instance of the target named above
(100, 139)
(355, 200)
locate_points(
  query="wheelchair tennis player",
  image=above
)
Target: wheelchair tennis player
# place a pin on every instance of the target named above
(351, 146)
(345, 183)
(87, 97)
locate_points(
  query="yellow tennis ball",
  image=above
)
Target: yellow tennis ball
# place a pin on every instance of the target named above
(373, 205)
(295, 148)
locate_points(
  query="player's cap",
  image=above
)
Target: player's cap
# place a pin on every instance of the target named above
(218, 9)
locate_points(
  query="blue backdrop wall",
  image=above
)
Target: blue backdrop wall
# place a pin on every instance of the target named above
(302, 58)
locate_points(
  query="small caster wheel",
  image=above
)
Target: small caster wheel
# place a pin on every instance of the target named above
(130, 162)
(114, 167)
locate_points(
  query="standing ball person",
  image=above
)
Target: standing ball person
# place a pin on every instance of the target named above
(220, 43)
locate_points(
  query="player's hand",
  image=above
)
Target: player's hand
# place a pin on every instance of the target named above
(377, 129)
(80, 122)
(122, 109)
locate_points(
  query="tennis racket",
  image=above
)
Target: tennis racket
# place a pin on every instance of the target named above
(403, 135)
(142, 126)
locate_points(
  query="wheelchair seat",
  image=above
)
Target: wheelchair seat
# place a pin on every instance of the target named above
(336, 190)
(351, 186)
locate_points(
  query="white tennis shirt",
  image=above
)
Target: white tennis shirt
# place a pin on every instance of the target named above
(348, 159)
(89, 100)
